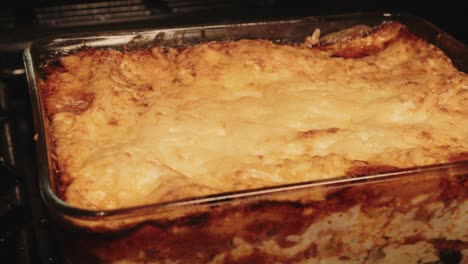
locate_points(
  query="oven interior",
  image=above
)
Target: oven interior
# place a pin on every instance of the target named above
(25, 231)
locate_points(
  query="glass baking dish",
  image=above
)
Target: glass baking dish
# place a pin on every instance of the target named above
(416, 215)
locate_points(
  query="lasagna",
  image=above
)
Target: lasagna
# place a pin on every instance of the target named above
(134, 127)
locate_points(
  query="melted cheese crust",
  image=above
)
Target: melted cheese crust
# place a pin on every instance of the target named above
(139, 127)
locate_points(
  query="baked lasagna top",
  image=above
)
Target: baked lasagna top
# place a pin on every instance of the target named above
(145, 126)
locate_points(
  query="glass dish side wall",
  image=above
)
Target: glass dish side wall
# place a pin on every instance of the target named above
(408, 217)
(281, 216)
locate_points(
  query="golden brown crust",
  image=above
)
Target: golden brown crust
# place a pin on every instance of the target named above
(139, 127)
(358, 41)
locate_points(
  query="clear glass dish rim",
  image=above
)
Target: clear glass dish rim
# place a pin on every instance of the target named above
(53, 201)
